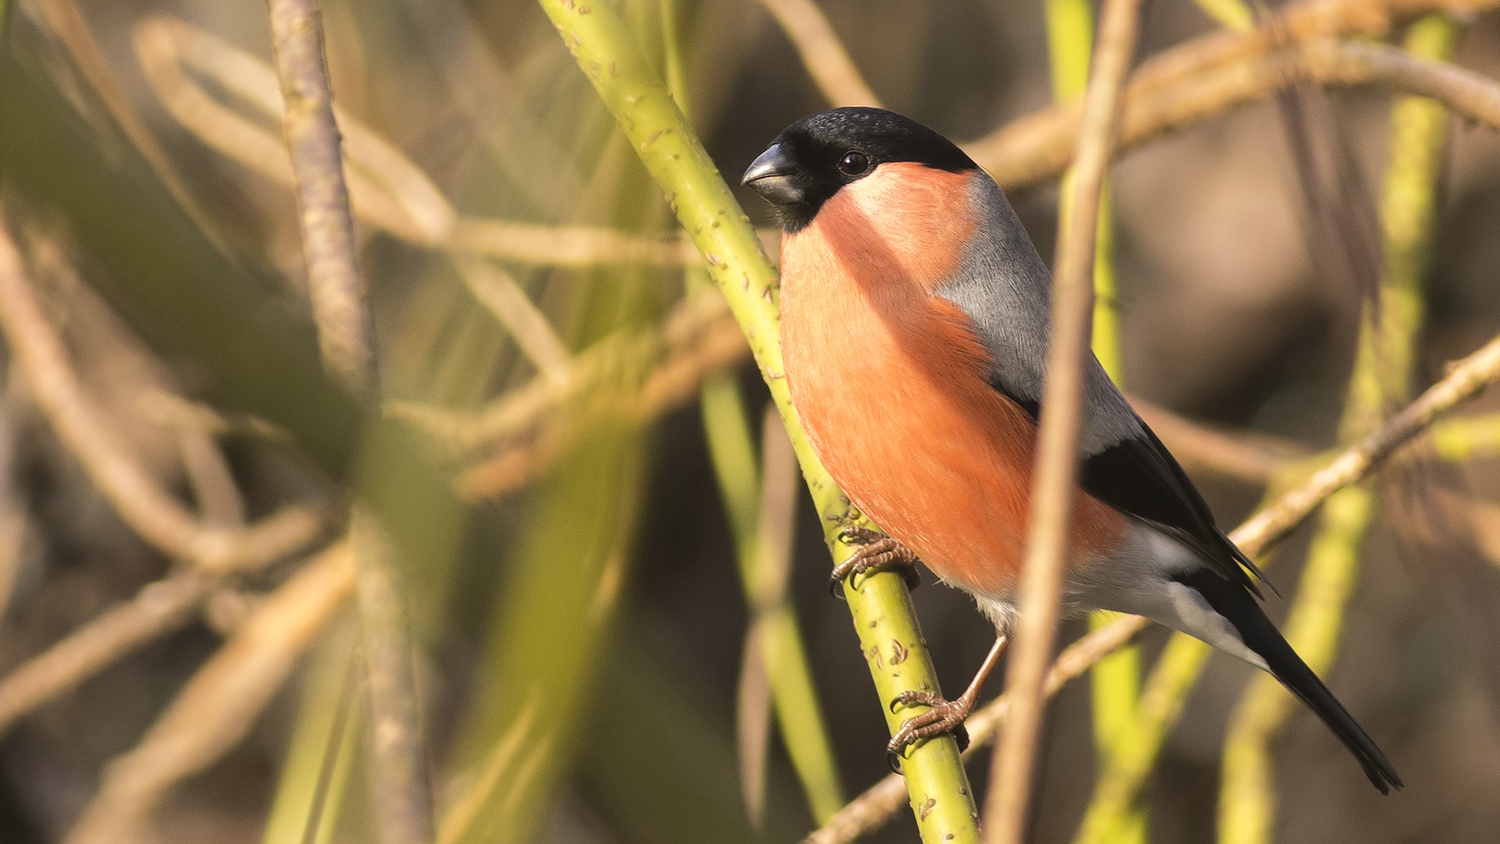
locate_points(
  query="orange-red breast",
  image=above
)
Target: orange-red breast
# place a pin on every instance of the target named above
(915, 314)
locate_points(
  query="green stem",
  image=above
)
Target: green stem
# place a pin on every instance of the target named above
(883, 616)
(726, 425)
(732, 451)
(1124, 772)
(1246, 803)
(1468, 438)
(320, 758)
(1230, 14)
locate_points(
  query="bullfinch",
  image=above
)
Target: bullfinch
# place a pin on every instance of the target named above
(914, 321)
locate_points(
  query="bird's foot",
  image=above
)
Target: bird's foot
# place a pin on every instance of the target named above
(943, 716)
(873, 550)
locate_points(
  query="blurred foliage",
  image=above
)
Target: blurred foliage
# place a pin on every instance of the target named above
(582, 626)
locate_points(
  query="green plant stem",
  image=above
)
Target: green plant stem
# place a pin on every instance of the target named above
(1230, 14)
(1116, 678)
(1124, 772)
(1133, 754)
(883, 616)
(316, 775)
(726, 425)
(1383, 370)
(1467, 438)
(787, 670)
(1247, 799)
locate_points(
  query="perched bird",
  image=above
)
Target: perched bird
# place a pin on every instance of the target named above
(914, 322)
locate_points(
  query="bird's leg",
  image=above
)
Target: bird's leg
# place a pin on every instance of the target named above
(944, 716)
(873, 550)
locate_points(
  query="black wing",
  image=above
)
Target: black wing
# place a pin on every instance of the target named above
(1139, 476)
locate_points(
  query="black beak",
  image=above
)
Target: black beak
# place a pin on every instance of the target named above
(771, 176)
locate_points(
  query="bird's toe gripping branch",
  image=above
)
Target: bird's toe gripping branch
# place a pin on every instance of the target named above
(873, 550)
(943, 716)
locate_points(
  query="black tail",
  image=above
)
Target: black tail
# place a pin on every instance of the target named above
(1236, 604)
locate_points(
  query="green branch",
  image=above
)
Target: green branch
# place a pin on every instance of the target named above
(889, 636)
(788, 674)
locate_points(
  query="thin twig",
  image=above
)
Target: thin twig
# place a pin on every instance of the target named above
(219, 704)
(218, 496)
(669, 385)
(1035, 148)
(1465, 379)
(1115, 685)
(15, 521)
(822, 52)
(387, 189)
(71, 28)
(503, 297)
(1248, 455)
(334, 282)
(1052, 491)
(174, 411)
(569, 246)
(399, 777)
(158, 517)
(615, 360)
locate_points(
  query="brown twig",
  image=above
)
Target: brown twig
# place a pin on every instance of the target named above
(571, 246)
(388, 191)
(155, 611)
(1248, 455)
(399, 777)
(1052, 490)
(701, 338)
(503, 297)
(159, 518)
(334, 282)
(398, 772)
(1164, 96)
(218, 496)
(218, 705)
(822, 52)
(165, 408)
(672, 383)
(15, 521)
(697, 322)
(1465, 379)
(71, 28)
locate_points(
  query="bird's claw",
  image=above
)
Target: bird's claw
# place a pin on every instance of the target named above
(873, 550)
(944, 716)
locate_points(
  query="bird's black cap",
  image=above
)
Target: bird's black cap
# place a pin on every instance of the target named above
(816, 156)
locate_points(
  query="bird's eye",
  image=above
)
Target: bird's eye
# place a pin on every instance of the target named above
(854, 163)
